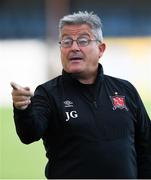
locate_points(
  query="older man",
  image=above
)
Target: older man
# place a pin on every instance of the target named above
(92, 125)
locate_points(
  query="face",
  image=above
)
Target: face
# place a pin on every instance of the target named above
(81, 60)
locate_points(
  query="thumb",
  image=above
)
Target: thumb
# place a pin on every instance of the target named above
(28, 89)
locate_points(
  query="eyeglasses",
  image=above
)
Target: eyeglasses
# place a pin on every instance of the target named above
(81, 42)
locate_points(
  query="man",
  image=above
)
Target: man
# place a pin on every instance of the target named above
(92, 125)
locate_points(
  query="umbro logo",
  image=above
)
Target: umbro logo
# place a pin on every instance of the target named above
(68, 103)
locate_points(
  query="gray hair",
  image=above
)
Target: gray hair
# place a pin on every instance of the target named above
(90, 19)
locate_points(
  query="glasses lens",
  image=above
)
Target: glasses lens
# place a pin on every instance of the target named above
(83, 41)
(66, 43)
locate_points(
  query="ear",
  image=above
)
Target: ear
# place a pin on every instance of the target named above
(102, 47)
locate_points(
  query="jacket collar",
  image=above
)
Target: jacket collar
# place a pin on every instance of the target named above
(100, 76)
(89, 91)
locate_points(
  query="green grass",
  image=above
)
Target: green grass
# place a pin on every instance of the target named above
(17, 160)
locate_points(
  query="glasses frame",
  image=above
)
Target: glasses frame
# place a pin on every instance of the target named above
(77, 41)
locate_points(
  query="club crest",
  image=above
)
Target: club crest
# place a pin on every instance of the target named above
(118, 102)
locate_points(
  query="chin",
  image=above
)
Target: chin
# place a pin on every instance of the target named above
(75, 69)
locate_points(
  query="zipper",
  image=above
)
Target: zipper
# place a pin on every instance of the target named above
(95, 104)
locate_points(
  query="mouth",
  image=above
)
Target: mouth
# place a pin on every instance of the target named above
(75, 58)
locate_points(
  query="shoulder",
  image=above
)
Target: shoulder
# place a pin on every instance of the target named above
(121, 84)
(50, 86)
(118, 81)
(52, 83)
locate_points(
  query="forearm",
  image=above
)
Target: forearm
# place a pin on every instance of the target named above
(26, 125)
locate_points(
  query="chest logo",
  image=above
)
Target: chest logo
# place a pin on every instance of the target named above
(68, 103)
(118, 102)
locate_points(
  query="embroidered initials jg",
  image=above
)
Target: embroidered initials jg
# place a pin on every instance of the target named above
(72, 114)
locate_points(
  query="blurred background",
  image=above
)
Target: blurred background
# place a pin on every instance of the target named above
(29, 55)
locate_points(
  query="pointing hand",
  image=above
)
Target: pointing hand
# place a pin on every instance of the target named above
(21, 96)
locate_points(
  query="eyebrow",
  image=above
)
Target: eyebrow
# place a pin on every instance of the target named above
(85, 34)
(80, 35)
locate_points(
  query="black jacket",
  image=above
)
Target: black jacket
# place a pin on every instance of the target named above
(89, 131)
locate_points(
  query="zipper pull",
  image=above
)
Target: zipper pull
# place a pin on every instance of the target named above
(95, 104)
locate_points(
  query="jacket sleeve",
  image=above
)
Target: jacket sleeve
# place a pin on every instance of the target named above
(32, 123)
(143, 139)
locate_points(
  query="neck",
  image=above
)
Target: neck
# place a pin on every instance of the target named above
(86, 79)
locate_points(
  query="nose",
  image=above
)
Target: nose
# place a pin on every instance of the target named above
(75, 46)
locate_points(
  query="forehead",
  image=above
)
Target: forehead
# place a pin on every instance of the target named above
(76, 30)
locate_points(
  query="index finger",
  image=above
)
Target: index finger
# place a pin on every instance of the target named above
(15, 86)
(19, 90)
